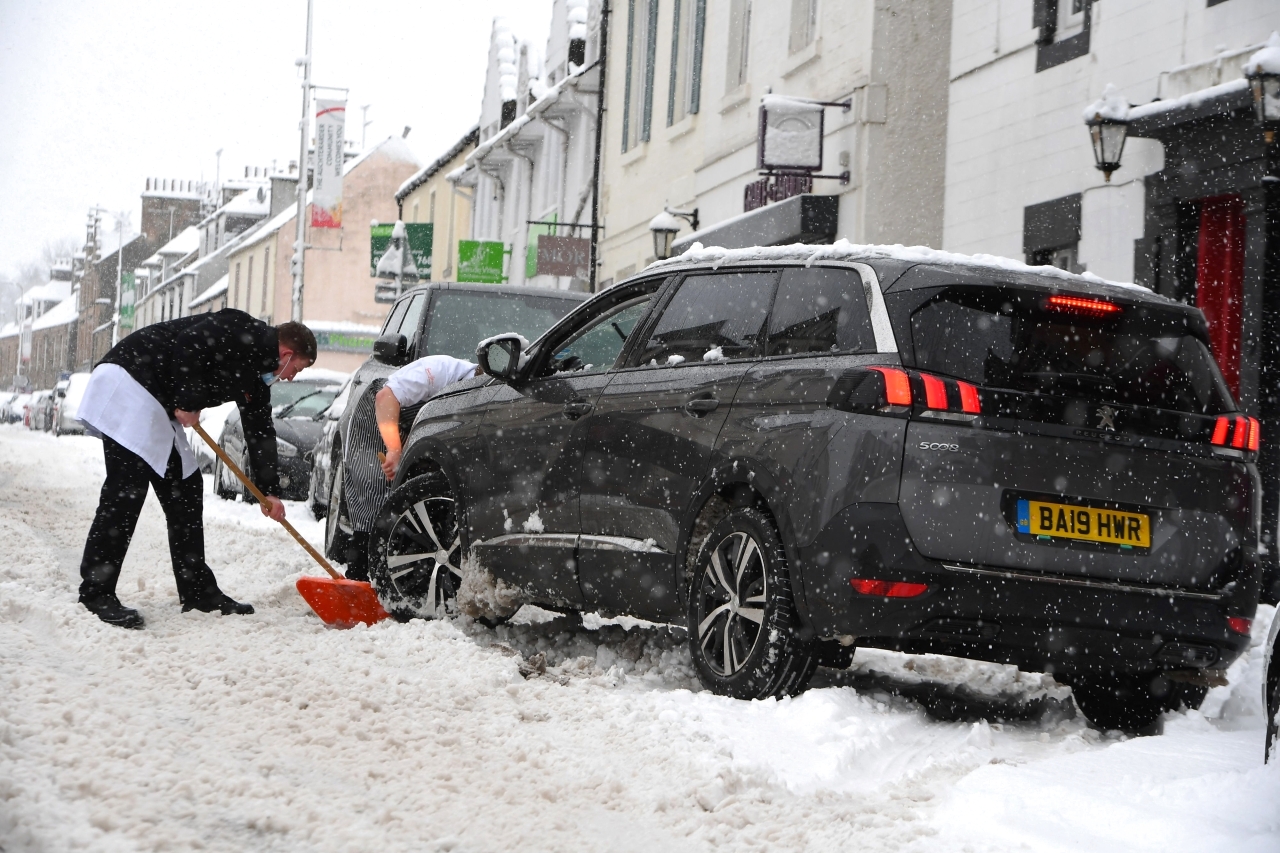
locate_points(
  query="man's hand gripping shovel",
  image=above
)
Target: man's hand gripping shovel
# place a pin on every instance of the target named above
(338, 602)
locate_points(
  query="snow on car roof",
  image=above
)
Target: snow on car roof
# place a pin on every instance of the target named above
(843, 250)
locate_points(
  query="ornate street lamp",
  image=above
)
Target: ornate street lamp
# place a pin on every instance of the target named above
(665, 226)
(1263, 73)
(1108, 122)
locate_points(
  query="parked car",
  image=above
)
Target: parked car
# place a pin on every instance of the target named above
(6, 398)
(322, 455)
(16, 412)
(441, 318)
(40, 410)
(793, 455)
(64, 408)
(296, 409)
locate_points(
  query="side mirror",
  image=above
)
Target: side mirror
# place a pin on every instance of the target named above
(499, 356)
(390, 349)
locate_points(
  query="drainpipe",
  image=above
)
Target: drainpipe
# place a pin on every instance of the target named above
(603, 59)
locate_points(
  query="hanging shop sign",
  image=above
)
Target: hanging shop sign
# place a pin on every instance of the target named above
(420, 236)
(482, 261)
(326, 198)
(568, 256)
(790, 135)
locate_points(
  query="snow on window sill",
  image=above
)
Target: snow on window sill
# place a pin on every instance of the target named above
(680, 128)
(736, 98)
(802, 57)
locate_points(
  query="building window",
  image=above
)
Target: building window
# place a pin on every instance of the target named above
(1064, 30)
(637, 113)
(739, 42)
(687, 29)
(235, 288)
(1051, 233)
(804, 24)
(266, 266)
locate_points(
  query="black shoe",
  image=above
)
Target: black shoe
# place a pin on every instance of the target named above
(220, 602)
(109, 609)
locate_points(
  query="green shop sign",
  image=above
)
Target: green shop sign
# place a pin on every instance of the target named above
(420, 235)
(344, 341)
(482, 261)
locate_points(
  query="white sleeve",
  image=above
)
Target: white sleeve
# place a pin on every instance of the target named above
(412, 383)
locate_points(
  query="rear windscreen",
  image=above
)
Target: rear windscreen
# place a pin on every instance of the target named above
(460, 320)
(1140, 355)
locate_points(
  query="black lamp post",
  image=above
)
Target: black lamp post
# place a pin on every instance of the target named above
(1263, 73)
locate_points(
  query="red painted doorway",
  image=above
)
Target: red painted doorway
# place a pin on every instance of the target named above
(1220, 280)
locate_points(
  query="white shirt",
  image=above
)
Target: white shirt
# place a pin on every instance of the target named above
(421, 380)
(117, 406)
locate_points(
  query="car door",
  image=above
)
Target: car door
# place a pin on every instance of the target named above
(650, 437)
(523, 515)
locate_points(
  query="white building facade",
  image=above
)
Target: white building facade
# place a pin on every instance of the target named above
(532, 172)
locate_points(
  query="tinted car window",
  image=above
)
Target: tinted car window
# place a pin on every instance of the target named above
(1141, 355)
(461, 319)
(392, 325)
(597, 347)
(288, 393)
(820, 310)
(409, 323)
(721, 315)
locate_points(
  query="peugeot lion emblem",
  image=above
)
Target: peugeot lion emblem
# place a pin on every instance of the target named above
(1106, 418)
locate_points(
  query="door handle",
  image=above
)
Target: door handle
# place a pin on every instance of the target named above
(700, 406)
(575, 409)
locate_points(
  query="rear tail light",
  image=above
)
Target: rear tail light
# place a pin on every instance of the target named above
(1239, 624)
(892, 390)
(1237, 432)
(888, 589)
(1083, 305)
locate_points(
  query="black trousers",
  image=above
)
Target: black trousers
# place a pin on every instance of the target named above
(123, 494)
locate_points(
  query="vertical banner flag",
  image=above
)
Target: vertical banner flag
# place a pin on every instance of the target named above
(128, 295)
(326, 199)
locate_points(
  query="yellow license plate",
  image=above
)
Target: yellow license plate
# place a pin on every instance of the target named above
(1085, 523)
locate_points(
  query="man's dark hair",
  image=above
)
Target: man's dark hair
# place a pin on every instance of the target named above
(298, 338)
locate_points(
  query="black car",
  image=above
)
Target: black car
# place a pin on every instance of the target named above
(297, 410)
(794, 452)
(440, 318)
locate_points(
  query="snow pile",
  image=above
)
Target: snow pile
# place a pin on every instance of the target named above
(505, 41)
(271, 732)
(481, 596)
(576, 16)
(1112, 106)
(843, 250)
(1267, 60)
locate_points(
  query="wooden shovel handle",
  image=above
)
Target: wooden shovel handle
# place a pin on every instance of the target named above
(262, 499)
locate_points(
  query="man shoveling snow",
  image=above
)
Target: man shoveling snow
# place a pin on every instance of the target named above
(149, 386)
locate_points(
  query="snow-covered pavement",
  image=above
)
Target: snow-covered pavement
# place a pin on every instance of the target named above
(272, 733)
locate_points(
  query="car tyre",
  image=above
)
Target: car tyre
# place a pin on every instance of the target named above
(1273, 701)
(337, 526)
(415, 552)
(743, 631)
(220, 474)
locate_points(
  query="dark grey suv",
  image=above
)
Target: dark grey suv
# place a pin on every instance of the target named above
(795, 456)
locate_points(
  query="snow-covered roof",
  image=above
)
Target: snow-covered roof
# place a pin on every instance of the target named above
(393, 147)
(109, 241)
(64, 312)
(542, 104)
(1190, 100)
(187, 241)
(52, 291)
(8, 330)
(248, 203)
(427, 173)
(843, 250)
(215, 290)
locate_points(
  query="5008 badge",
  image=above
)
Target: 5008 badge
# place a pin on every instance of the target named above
(937, 445)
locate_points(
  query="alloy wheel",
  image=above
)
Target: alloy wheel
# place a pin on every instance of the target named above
(731, 597)
(424, 552)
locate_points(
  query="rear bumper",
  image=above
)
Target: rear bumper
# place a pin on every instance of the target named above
(1037, 622)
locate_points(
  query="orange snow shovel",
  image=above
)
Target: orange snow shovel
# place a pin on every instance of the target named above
(338, 602)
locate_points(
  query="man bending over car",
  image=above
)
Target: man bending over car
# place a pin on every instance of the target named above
(365, 487)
